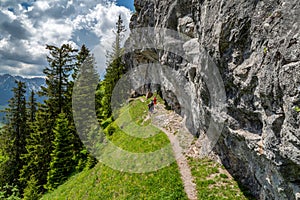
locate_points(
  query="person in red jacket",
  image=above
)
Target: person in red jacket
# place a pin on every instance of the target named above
(154, 100)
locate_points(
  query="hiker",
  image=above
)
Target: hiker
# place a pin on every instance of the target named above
(154, 100)
(151, 106)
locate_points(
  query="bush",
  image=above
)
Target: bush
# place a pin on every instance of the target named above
(10, 192)
(109, 131)
(223, 176)
(106, 123)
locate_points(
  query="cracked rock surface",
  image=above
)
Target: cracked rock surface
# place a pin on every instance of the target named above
(256, 48)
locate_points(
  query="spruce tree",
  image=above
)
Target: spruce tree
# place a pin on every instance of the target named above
(62, 164)
(32, 191)
(14, 137)
(114, 70)
(38, 149)
(84, 104)
(117, 50)
(39, 145)
(61, 65)
(32, 107)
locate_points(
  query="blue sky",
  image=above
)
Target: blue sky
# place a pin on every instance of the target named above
(126, 3)
(26, 26)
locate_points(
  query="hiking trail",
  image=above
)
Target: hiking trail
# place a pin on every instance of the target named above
(180, 138)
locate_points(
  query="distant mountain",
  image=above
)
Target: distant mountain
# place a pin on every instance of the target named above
(7, 83)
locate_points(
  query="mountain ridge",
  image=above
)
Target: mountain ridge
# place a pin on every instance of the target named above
(7, 83)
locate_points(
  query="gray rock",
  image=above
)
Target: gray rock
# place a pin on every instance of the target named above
(256, 48)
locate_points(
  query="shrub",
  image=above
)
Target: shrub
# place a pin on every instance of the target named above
(10, 192)
(223, 176)
(106, 123)
(109, 131)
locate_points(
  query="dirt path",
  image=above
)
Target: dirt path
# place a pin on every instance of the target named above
(172, 124)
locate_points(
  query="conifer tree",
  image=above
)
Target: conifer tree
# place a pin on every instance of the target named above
(114, 70)
(81, 57)
(62, 164)
(84, 102)
(61, 65)
(32, 107)
(14, 137)
(39, 145)
(117, 50)
(38, 149)
(32, 191)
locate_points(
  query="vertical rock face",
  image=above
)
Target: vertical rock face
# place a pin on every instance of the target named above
(256, 48)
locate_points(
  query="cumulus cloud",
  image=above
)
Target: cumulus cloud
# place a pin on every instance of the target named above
(26, 28)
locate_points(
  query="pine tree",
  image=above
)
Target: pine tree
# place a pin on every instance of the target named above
(14, 138)
(117, 50)
(39, 145)
(100, 101)
(32, 107)
(62, 164)
(38, 149)
(61, 65)
(84, 103)
(32, 191)
(81, 57)
(60, 75)
(114, 70)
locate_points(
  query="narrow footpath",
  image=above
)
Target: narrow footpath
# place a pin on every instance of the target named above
(173, 125)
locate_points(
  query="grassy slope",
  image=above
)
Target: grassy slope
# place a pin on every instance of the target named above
(214, 183)
(102, 182)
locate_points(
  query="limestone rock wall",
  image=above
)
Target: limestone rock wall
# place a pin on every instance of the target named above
(256, 47)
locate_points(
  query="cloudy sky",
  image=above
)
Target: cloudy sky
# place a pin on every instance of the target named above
(26, 26)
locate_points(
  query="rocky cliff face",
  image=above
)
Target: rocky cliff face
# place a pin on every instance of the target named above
(255, 46)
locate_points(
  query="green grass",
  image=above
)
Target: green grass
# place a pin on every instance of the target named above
(132, 121)
(131, 135)
(138, 111)
(139, 145)
(102, 182)
(214, 185)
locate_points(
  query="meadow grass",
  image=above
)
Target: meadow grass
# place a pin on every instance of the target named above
(102, 182)
(213, 184)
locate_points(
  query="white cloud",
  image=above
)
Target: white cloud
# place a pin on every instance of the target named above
(102, 21)
(4, 43)
(9, 14)
(43, 5)
(26, 29)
